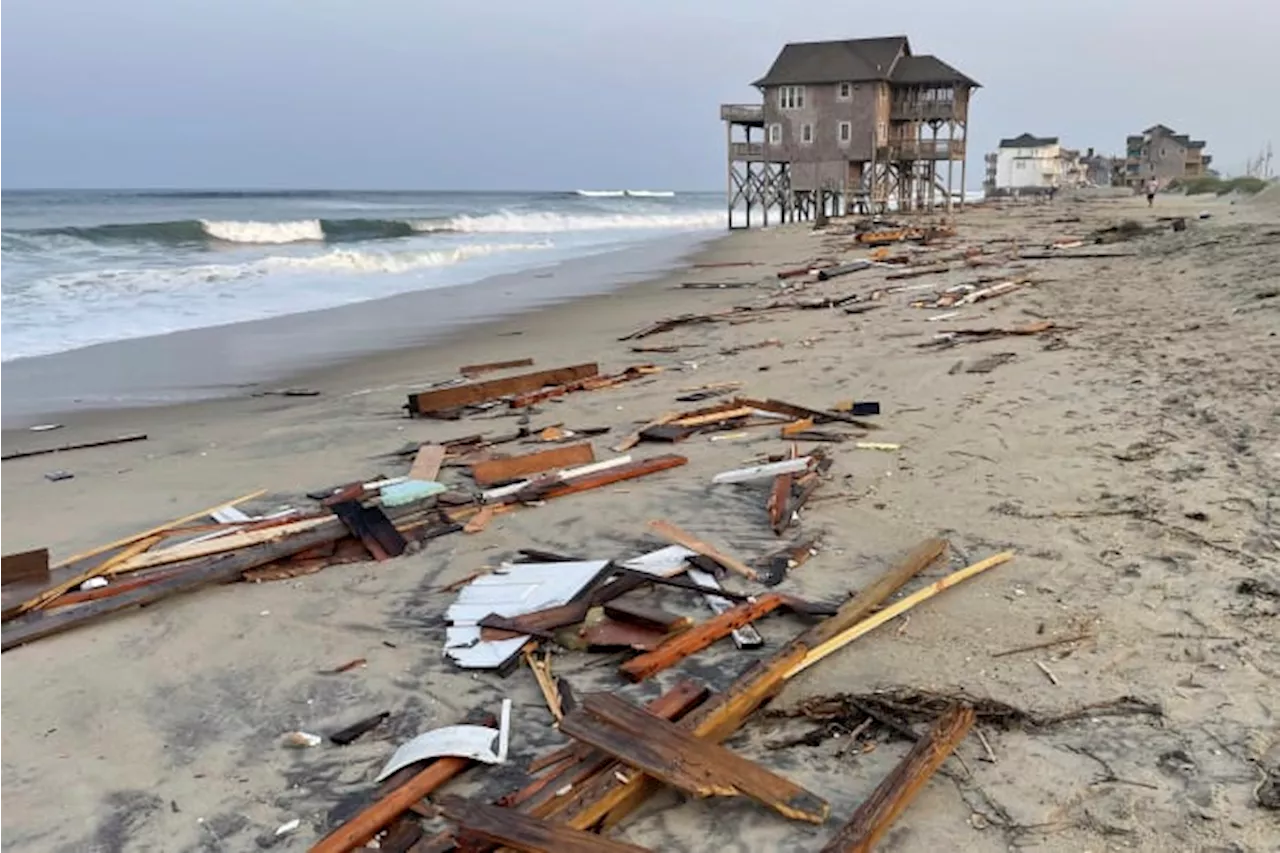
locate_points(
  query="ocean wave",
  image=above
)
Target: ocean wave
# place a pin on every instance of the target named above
(201, 232)
(98, 283)
(601, 193)
(513, 222)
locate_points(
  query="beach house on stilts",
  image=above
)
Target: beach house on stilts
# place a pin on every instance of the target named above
(858, 124)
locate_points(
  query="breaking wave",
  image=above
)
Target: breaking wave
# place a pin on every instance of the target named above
(166, 279)
(194, 232)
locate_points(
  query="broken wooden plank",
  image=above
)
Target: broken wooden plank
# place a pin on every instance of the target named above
(446, 399)
(539, 622)
(678, 536)
(25, 567)
(727, 413)
(200, 572)
(647, 615)
(470, 370)
(630, 471)
(697, 638)
(426, 464)
(745, 637)
(522, 832)
(800, 412)
(493, 471)
(895, 792)
(371, 526)
(634, 439)
(83, 445)
(607, 633)
(680, 759)
(355, 731)
(611, 799)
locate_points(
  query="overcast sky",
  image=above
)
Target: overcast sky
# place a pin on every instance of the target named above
(511, 94)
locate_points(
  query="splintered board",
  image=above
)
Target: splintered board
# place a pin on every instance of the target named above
(445, 399)
(677, 757)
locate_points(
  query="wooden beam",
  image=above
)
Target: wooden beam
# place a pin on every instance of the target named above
(895, 792)
(375, 817)
(630, 471)
(680, 759)
(522, 832)
(677, 536)
(200, 572)
(445, 399)
(634, 439)
(648, 616)
(493, 471)
(680, 646)
(426, 464)
(84, 445)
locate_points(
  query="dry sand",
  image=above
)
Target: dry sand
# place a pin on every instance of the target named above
(1133, 463)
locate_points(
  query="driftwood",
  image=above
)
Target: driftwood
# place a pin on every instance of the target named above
(493, 471)
(83, 445)
(892, 796)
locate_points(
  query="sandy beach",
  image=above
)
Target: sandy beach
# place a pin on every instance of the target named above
(1131, 458)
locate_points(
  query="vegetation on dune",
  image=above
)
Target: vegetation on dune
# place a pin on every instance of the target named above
(1220, 186)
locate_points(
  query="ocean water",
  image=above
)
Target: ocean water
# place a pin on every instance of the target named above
(86, 267)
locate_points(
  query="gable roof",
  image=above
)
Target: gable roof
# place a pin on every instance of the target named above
(927, 68)
(1026, 140)
(1159, 128)
(851, 60)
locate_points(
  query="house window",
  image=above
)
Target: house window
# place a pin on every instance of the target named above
(845, 133)
(775, 134)
(791, 97)
(845, 91)
(806, 133)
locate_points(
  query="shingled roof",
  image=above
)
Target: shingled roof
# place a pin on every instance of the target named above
(917, 70)
(851, 60)
(1026, 140)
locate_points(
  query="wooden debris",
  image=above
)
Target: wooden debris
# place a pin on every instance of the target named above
(541, 668)
(668, 325)
(522, 832)
(647, 616)
(896, 791)
(493, 471)
(802, 425)
(680, 759)
(680, 646)
(893, 611)
(377, 816)
(673, 534)
(801, 412)
(744, 637)
(629, 471)
(25, 567)
(355, 731)
(634, 439)
(197, 573)
(779, 504)
(1047, 644)
(610, 800)
(83, 445)
(470, 370)
(426, 464)
(936, 269)
(447, 399)
(539, 622)
(843, 269)
(723, 414)
(607, 633)
(346, 667)
(371, 526)
(480, 520)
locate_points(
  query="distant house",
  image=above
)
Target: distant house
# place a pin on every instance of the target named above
(1158, 152)
(1030, 164)
(856, 118)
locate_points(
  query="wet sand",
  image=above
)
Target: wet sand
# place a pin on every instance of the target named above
(1132, 461)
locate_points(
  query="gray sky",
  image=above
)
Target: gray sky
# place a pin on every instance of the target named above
(511, 94)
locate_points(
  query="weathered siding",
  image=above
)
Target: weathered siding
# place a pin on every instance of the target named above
(824, 161)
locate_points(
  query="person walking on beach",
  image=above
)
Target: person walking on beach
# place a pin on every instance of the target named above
(1152, 187)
